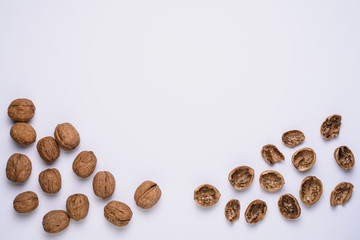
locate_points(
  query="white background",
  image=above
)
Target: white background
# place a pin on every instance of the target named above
(181, 92)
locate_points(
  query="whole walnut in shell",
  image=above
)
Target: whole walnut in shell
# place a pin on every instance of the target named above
(21, 110)
(48, 149)
(84, 164)
(55, 221)
(50, 180)
(23, 133)
(77, 206)
(118, 213)
(104, 184)
(18, 168)
(67, 136)
(147, 194)
(26, 202)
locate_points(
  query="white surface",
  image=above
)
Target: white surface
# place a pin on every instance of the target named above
(181, 92)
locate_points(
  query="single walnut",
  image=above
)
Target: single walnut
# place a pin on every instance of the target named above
(341, 194)
(26, 202)
(118, 213)
(84, 164)
(303, 159)
(241, 177)
(289, 206)
(330, 128)
(48, 149)
(206, 195)
(21, 110)
(256, 211)
(23, 133)
(77, 206)
(232, 210)
(147, 194)
(271, 154)
(104, 184)
(311, 190)
(55, 221)
(18, 168)
(344, 157)
(293, 138)
(67, 136)
(271, 180)
(50, 180)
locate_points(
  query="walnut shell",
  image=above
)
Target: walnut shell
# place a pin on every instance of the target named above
(67, 136)
(293, 138)
(48, 149)
(147, 194)
(118, 213)
(23, 133)
(18, 168)
(256, 211)
(21, 110)
(289, 206)
(55, 221)
(303, 159)
(271, 180)
(330, 128)
(344, 157)
(271, 154)
(104, 184)
(206, 195)
(341, 194)
(77, 206)
(232, 210)
(84, 164)
(311, 190)
(26, 202)
(241, 177)
(50, 180)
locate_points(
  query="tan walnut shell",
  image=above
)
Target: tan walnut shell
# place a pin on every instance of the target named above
(206, 195)
(289, 206)
(118, 213)
(341, 194)
(104, 184)
(271, 154)
(26, 202)
(21, 110)
(18, 168)
(67, 136)
(77, 206)
(232, 210)
(330, 128)
(271, 180)
(84, 164)
(50, 180)
(344, 157)
(48, 149)
(293, 138)
(55, 221)
(311, 190)
(147, 194)
(303, 159)
(256, 211)
(23, 133)
(241, 177)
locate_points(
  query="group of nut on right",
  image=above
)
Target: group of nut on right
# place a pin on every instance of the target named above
(303, 159)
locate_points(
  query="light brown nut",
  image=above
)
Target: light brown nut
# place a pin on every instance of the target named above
(118, 213)
(271, 154)
(232, 210)
(289, 206)
(48, 149)
(67, 136)
(206, 195)
(256, 211)
(271, 180)
(26, 202)
(104, 184)
(84, 164)
(21, 110)
(77, 206)
(241, 177)
(344, 157)
(147, 194)
(303, 159)
(330, 128)
(55, 221)
(18, 168)
(311, 190)
(23, 133)
(50, 180)
(293, 138)
(341, 194)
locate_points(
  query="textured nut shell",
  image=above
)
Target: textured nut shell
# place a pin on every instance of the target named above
(206, 195)
(330, 128)
(77, 206)
(50, 180)
(293, 138)
(21, 110)
(271, 180)
(341, 194)
(344, 157)
(104, 184)
(26, 202)
(271, 154)
(67, 136)
(84, 164)
(256, 211)
(23, 133)
(311, 190)
(118, 213)
(48, 149)
(232, 210)
(241, 177)
(55, 221)
(147, 194)
(303, 159)
(18, 168)
(289, 206)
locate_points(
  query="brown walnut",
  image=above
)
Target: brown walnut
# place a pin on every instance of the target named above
(21, 110)
(241, 177)
(303, 159)
(18, 168)
(55, 221)
(271, 180)
(147, 194)
(84, 164)
(271, 154)
(289, 206)
(232, 210)
(256, 211)
(330, 128)
(344, 157)
(48, 149)
(341, 194)
(104, 184)
(50, 180)
(206, 195)
(293, 138)
(26, 202)
(118, 213)
(311, 190)
(77, 206)
(23, 133)
(67, 136)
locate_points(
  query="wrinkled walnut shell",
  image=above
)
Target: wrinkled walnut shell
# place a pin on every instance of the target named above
(256, 211)
(344, 157)
(104, 184)
(50, 180)
(241, 177)
(23, 133)
(84, 164)
(67, 136)
(271, 180)
(77, 206)
(303, 159)
(48, 149)
(271, 154)
(21, 110)
(232, 210)
(341, 194)
(289, 206)
(26, 202)
(330, 128)
(18, 168)
(147, 194)
(311, 190)
(118, 213)
(206, 195)
(55, 221)
(293, 138)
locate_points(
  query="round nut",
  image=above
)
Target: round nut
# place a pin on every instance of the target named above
(303, 159)
(50, 180)
(55, 221)
(271, 180)
(289, 206)
(232, 210)
(344, 157)
(271, 154)
(293, 138)
(21, 110)
(206, 195)
(77, 206)
(104, 184)
(118, 213)
(256, 211)
(26, 202)
(48, 149)
(311, 190)
(241, 177)
(84, 164)
(23, 133)
(18, 168)
(67, 136)
(147, 194)
(330, 128)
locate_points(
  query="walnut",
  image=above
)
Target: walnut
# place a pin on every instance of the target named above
(293, 138)
(104, 184)
(303, 159)
(271, 180)
(289, 206)
(50, 180)
(311, 190)
(23, 133)
(241, 177)
(118, 213)
(21, 110)
(77, 206)
(344, 157)
(67, 136)
(147, 194)
(330, 128)
(232, 210)
(48, 149)
(84, 164)
(55, 221)
(256, 211)
(341, 194)
(18, 168)
(206, 195)
(271, 154)
(26, 202)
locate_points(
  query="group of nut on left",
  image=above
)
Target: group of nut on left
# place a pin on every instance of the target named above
(19, 167)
